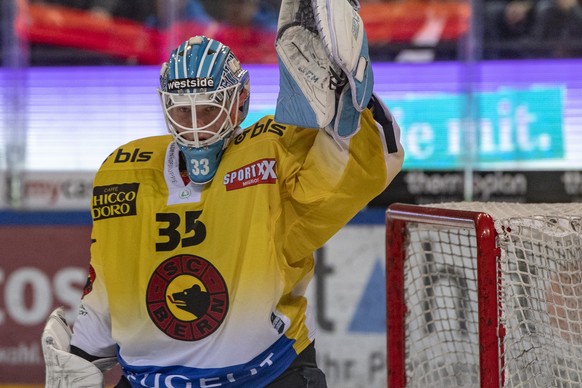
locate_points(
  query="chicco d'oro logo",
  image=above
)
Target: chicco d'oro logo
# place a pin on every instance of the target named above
(187, 298)
(114, 201)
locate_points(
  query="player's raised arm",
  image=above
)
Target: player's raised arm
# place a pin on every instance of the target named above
(326, 83)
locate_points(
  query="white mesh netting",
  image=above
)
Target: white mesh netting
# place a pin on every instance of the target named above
(540, 295)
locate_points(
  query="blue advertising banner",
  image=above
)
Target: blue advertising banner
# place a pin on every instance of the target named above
(512, 126)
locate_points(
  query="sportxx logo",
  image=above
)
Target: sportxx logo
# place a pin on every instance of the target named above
(256, 173)
(187, 298)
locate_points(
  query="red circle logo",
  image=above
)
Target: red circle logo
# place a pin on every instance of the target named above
(187, 298)
(90, 280)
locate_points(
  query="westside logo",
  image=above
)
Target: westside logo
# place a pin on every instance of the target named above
(187, 83)
(256, 173)
(114, 201)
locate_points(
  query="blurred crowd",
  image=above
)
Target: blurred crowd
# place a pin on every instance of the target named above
(156, 12)
(532, 29)
(161, 21)
(511, 29)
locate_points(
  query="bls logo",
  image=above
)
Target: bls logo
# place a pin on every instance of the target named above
(134, 156)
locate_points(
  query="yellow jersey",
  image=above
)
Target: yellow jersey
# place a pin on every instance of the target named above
(203, 286)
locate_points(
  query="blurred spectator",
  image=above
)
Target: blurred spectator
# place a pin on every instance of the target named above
(263, 13)
(191, 10)
(142, 11)
(559, 27)
(506, 23)
(76, 4)
(55, 13)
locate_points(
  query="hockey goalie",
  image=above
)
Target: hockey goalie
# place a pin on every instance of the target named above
(203, 244)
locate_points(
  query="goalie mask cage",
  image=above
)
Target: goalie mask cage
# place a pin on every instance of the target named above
(484, 294)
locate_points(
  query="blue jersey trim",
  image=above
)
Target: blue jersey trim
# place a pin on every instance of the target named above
(31, 218)
(258, 372)
(374, 216)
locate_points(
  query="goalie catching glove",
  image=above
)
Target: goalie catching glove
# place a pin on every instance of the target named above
(63, 369)
(326, 77)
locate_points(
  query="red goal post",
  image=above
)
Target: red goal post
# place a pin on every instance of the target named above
(484, 294)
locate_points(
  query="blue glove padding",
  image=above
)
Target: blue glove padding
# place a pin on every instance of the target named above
(293, 107)
(346, 121)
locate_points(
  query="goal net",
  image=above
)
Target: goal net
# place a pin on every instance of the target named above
(484, 294)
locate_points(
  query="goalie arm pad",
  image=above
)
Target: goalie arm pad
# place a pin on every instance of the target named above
(64, 369)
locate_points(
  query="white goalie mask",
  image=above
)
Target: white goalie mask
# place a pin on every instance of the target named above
(204, 94)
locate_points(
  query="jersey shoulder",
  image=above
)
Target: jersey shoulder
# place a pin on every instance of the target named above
(147, 152)
(268, 130)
